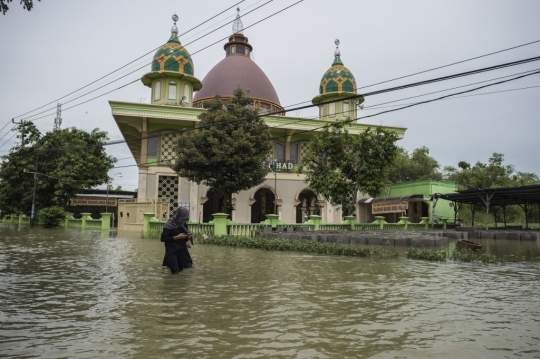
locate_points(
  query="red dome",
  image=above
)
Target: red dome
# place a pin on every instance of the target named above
(234, 71)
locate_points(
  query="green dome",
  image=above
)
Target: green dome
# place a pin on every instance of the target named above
(338, 78)
(173, 57)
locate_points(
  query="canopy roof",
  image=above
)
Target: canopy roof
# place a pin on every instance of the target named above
(496, 196)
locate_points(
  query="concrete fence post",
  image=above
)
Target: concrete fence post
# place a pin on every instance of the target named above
(380, 221)
(84, 217)
(405, 221)
(273, 218)
(316, 220)
(425, 222)
(146, 228)
(351, 220)
(220, 224)
(106, 221)
(444, 221)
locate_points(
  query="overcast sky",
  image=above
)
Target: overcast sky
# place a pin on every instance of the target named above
(63, 45)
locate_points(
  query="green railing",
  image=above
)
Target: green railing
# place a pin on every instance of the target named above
(247, 230)
(335, 227)
(416, 226)
(394, 226)
(294, 227)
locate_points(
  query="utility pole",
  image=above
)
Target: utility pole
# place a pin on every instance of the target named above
(34, 193)
(58, 118)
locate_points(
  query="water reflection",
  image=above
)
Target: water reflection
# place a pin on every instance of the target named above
(72, 294)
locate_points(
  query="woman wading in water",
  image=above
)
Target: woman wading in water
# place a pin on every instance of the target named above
(177, 241)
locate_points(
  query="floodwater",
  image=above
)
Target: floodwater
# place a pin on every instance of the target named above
(73, 294)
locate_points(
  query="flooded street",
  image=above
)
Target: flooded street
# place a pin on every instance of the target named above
(73, 294)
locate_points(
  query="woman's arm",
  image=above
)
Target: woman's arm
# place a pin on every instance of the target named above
(167, 236)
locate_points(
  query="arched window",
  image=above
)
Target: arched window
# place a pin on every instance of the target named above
(172, 90)
(345, 108)
(186, 92)
(332, 109)
(294, 154)
(157, 91)
(280, 152)
(152, 146)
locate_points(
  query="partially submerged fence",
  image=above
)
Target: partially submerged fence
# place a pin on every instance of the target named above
(85, 222)
(223, 226)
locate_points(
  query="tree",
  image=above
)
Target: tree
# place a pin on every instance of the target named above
(68, 161)
(481, 175)
(27, 5)
(491, 175)
(340, 164)
(419, 165)
(228, 150)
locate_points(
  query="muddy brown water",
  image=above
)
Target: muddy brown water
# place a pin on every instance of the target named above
(73, 294)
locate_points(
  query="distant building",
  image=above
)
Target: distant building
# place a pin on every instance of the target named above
(413, 199)
(177, 99)
(97, 201)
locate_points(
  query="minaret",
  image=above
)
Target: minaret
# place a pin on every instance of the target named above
(338, 83)
(172, 77)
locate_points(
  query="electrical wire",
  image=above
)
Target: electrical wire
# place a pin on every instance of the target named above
(441, 67)
(110, 73)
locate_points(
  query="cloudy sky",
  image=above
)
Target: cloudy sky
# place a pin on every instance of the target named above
(61, 46)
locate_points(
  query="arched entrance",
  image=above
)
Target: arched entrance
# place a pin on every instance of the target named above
(214, 204)
(307, 207)
(263, 205)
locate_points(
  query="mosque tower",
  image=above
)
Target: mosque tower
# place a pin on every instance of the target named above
(337, 84)
(171, 79)
(238, 69)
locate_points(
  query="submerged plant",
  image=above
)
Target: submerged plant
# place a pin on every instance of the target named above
(474, 256)
(298, 246)
(426, 254)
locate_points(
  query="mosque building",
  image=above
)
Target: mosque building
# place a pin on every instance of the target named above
(177, 99)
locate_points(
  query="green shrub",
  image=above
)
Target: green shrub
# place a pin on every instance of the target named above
(298, 246)
(426, 254)
(51, 217)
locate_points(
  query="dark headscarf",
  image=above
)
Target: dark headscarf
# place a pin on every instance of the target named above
(178, 219)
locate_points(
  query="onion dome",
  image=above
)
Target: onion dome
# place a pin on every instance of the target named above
(337, 97)
(237, 69)
(337, 78)
(172, 59)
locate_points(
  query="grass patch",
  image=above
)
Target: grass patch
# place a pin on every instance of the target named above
(276, 244)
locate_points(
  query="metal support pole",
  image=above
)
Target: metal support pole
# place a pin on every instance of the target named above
(275, 188)
(107, 200)
(34, 193)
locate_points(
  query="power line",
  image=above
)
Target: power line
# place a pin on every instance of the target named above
(422, 102)
(136, 80)
(468, 73)
(129, 63)
(441, 67)
(145, 65)
(453, 98)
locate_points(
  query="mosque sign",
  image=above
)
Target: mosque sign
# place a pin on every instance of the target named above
(389, 207)
(93, 201)
(284, 165)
